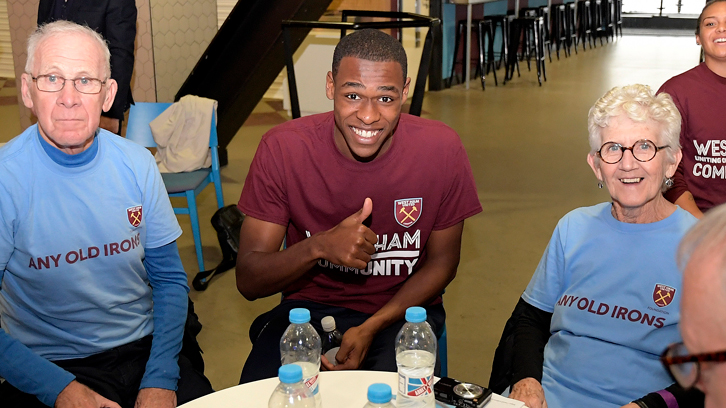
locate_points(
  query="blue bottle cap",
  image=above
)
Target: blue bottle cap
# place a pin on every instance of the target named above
(299, 316)
(415, 314)
(290, 373)
(379, 393)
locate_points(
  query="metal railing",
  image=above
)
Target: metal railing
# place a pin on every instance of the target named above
(663, 7)
(399, 20)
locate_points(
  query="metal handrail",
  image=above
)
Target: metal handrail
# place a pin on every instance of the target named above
(411, 20)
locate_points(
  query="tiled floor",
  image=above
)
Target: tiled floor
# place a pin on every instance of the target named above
(527, 146)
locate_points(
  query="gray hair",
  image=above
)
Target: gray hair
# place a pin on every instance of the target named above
(62, 27)
(706, 238)
(639, 104)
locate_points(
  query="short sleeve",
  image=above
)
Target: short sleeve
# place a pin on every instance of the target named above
(263, 195)
(162, 226)
(461, 199)
(547, 283)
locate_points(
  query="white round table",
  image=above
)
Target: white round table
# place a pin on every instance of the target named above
(338, 389)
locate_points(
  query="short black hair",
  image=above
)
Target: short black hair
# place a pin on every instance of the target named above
(370, 45)
(700, 16)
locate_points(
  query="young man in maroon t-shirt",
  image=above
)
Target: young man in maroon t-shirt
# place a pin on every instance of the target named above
(700, 95)
(371, 204)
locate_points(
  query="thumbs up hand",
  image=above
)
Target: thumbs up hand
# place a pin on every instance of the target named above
(351, 243)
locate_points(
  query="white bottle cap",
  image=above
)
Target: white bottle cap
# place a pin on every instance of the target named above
(328, 323)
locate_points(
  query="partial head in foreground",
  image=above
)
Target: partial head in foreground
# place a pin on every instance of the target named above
(368, 86)
(702, 255)
(634, 146)
(67, 83)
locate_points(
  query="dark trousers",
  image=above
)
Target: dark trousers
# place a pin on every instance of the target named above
(266, 332)
(115, 374)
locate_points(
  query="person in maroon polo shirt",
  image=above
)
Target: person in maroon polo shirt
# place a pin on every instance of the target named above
(371, 204)
(700, 95)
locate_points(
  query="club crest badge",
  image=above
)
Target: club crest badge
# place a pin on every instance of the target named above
(407, 211)
(134, 215)
(663, 295)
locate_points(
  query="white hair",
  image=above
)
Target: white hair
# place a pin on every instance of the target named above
(639, 104)
(62, 27)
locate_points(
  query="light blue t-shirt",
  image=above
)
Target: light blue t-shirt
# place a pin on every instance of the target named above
(614, 291)
(66, 294)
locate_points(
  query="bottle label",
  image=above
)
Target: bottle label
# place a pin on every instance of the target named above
(416, 386)
(330, 355)
(312, 384)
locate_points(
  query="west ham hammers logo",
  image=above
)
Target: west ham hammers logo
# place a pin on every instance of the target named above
(407, 211)
(663, 295)
(134, 215)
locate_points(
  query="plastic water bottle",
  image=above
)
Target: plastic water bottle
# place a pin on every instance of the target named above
(291, 392)
(416, 358)
(379, 396)
(331, 339)
(300, 344)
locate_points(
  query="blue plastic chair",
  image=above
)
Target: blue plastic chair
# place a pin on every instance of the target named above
(188, 184)
(443, 353)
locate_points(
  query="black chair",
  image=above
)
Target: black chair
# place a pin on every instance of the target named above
(559, 29)
(460, 32)
(584, 16)
(596, 20)
(530, 31)
(607, 19)
(500, 22)
(571, 26)
(486, 34)
(548, 37)
(618, 16)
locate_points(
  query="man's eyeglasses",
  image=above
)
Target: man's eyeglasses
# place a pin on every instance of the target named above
(54, 83)
(686, 368)
(643, 150)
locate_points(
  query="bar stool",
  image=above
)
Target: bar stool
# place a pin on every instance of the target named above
(596, 22)
(547, 38)
(607, 20)
(486, 32)
(477, 25)
(583, 23)
(559, 30)
(618, 16)
(501, 22)
(461, 28)
(571, 26)
(531, 31)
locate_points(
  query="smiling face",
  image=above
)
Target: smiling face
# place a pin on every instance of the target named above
(712, 36)
(367, 98)
(68, 119)
(634, 186)
(703, 320)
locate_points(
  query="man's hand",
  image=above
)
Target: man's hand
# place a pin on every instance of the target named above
(631, 405)
(529, 391)
(155, 398)
(350, 243)
(77, 395)
(110, 124)
(353, 349)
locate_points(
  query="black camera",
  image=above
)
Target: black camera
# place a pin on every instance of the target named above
(459, 394)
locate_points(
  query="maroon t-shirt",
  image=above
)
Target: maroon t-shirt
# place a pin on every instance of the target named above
(700, 96)
(299, 179)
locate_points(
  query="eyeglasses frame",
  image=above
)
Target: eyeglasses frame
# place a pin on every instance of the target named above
(668, 361)
(623, 149)
(35, 79)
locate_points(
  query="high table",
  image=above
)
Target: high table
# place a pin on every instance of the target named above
(467, 50)
(338, 389)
